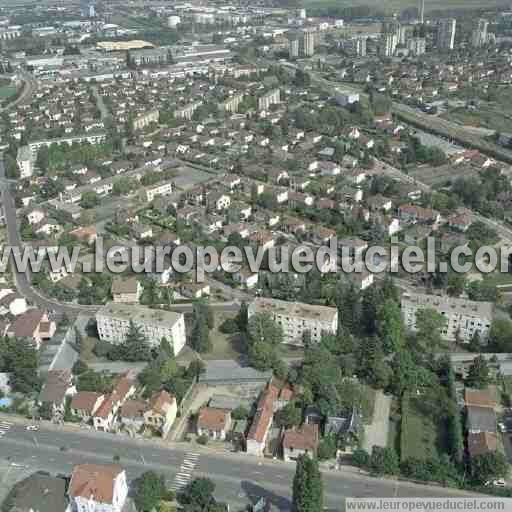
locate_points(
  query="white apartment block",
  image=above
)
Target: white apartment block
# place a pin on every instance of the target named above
(97, 138)
(25, 162)
(296, 318)
(143, 120)
(270, 98)
(114, 322)
(464, 317)
(162, 189)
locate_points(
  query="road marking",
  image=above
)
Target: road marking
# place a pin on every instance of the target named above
(184, 475)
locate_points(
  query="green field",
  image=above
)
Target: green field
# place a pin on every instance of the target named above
(7, 91)
(420, 436)
(398, 5)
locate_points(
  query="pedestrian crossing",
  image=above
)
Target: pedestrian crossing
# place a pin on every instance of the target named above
(184, 475)
(4, 427)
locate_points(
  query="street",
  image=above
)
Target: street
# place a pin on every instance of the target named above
(238, 476)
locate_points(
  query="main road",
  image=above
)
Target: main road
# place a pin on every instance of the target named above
(238, 477)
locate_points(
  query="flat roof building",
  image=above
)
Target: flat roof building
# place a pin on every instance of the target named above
(297, 318)
(463, 317)
(114, 322)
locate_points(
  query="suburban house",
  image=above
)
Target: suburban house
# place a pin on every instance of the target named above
(104, 417)
(161, 412)
(262, 422)
(58, 386)
(85, 403)
(300, 441)
(132, 414)
(480, 419)
(34, 324)
(97, 488)
(126, 290)
(214, 423)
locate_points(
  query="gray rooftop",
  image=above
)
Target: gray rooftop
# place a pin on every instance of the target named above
(139, 314)
(481, 419)
(222, 371)
(40, 492)
(449, 305)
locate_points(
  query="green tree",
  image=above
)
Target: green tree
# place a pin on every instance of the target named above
(289, 416)
(43, 159)
(135, 346)
(89, 200)
(263, 337)
(389, 326)
(307, 486)
(149, 490)
(489, 466)
(500, 336)
(429, 326)
(242, 318)
(240, 413)
(384, 461)
(478, 373)
(327, 447)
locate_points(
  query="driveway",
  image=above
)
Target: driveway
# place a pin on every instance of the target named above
(376, 433)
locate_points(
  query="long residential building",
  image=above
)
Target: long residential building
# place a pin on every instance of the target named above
(93, 138)
(463, 317)
(114, 322)
(297, 319)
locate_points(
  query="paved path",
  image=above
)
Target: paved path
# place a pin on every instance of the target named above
(377, 432)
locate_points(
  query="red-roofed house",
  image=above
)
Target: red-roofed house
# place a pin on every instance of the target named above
(97, 488)
(214, 423)
(262, 421)
(34, 324)
(300, 441)
(103, 418)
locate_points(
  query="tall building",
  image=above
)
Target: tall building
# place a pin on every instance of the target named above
(479, 35)
(307, 43)
(422, 12)
(390, 37)
(355, 47)
(293, 47)
(88, 8)
(446, 34)
(417, 46)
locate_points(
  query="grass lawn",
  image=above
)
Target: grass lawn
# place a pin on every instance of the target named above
(499, 278)
(7, 91)
(482, 118)
(420, 436)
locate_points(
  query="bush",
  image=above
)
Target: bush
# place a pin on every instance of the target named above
(384, 461)
(240, 413)
(361, 458)
(203, 439)
(229, 326)
(327, 448)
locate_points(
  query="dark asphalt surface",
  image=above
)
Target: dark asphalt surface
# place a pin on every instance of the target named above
(238, 476)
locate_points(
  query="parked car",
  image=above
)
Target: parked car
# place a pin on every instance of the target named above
(32, 428)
